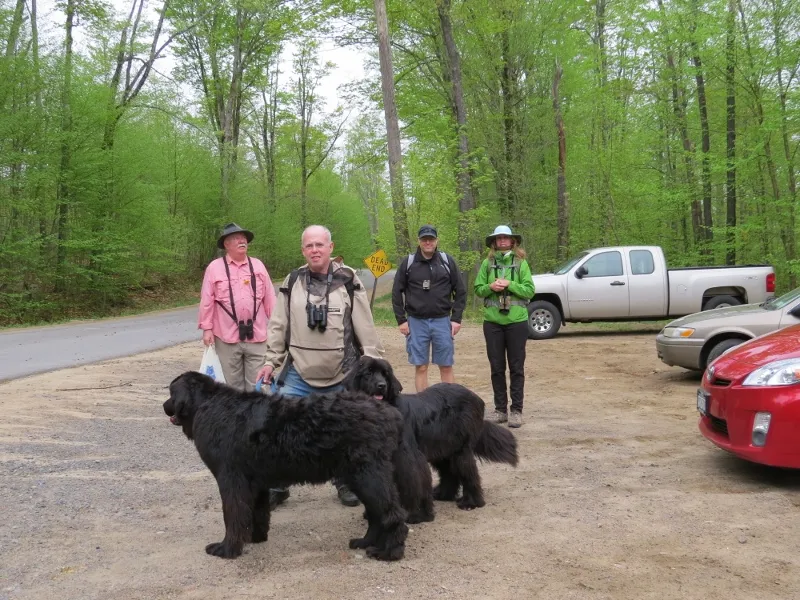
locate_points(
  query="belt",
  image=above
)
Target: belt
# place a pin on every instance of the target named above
(487, 303)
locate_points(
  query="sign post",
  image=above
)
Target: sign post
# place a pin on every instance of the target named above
(378, 264)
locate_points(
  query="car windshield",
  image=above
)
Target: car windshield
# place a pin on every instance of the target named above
(564, 267)
(781, 301)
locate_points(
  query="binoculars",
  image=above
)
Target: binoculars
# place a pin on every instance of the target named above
(505, 303)
(317, 316)
(246, 330)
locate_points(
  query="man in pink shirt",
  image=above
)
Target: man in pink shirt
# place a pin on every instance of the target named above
(236, 302)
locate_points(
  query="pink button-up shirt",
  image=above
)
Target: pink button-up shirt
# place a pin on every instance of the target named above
(215, 287)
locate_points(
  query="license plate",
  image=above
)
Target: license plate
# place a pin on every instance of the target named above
(702, 402)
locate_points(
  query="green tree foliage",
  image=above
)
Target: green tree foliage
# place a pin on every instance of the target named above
(108, 187)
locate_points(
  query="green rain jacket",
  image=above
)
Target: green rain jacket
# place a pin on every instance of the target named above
(520, 288)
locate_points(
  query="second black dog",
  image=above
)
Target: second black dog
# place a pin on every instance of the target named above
(447, 422)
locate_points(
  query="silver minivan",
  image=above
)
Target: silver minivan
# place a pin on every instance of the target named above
(696, 340)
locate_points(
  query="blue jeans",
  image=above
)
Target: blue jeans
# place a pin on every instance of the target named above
(426, 333)
(294, 385)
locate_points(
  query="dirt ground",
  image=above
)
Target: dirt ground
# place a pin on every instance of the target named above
(617, 495)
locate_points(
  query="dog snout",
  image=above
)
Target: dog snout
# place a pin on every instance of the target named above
(381, 385)
(168, 408)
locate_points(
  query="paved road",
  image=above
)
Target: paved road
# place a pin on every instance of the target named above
(39, 349)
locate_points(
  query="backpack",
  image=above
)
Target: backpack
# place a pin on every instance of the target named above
(445, 261)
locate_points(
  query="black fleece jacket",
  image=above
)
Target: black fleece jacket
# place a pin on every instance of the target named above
(447, 295)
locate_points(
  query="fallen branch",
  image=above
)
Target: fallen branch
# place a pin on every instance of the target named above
(102, 387)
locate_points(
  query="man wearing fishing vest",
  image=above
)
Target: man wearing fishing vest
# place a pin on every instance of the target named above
(236, 302)
(428, 298)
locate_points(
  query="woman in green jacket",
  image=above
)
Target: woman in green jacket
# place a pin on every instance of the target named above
(504, 282)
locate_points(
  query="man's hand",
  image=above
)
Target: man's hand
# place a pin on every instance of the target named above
(455, 328)
(208, 337)
(265, 374)
(404, 329)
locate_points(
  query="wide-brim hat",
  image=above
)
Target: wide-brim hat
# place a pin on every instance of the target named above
(230, 229)
(503, 230)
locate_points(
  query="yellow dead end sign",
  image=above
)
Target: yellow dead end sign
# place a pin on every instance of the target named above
(378, 264)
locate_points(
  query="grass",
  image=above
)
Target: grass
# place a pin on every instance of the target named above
(383, 313)
(176, 295)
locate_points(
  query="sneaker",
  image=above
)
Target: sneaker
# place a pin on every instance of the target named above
(277, 497)
(515, 419)
(497, 416)
(346, 496)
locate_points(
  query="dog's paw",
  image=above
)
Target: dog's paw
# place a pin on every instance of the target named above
(358, 543)
(259, 537)
(393, 553)
(222, 550)
(443, 495)
(465, 504)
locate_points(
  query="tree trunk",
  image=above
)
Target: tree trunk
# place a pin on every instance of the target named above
(562, 196)
(7, 66)
(466, 200)
(63, 192)
(786, 234)
(679, 109)
(730, 167)
(791, 249)
(508, 199)
(705, 158)
(403, 243)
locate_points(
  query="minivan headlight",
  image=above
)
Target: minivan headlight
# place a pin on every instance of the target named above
(678, 332)
(779, 372)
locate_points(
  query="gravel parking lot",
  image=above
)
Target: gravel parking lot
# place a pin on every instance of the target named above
(617, 494)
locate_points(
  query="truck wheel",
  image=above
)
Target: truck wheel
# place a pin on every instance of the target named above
(720, 301)
(720, 348)
(544, 320)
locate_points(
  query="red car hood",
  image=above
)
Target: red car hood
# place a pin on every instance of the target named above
(742, 360)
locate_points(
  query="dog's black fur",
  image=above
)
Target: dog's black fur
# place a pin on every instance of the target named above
(251, 442)
(447, 422)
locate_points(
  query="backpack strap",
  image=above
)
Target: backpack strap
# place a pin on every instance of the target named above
(288, 338)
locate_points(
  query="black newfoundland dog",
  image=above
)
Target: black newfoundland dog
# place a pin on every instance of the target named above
(251, 442)
(447, 422)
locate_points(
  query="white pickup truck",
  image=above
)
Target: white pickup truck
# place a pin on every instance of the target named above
(632, 283)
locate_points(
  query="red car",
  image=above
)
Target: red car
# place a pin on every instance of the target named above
(749, 400)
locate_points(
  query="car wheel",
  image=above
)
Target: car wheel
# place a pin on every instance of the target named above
(721, 347)
(544, 320)
(721, 301)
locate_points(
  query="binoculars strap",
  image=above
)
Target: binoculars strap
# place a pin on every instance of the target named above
(232, 313)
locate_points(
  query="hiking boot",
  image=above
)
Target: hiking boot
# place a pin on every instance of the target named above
(346, 496)
(277, 497)
(515, 419)
(497, 416)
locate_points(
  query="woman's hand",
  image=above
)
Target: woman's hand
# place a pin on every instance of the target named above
(498, 285)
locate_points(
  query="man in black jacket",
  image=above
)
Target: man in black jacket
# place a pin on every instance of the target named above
(428, 299)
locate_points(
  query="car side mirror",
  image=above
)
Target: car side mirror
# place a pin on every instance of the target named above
(581, 272)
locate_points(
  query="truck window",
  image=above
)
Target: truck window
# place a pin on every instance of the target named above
(605, 264)
(641, 262)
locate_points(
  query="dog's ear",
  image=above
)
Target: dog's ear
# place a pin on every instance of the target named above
(395, 387)
(257, 424)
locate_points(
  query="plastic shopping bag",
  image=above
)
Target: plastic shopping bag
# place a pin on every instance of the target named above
(211, 365)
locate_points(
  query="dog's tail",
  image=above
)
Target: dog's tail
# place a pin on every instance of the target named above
(497, 444)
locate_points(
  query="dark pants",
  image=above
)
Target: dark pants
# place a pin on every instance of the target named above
(507, 341)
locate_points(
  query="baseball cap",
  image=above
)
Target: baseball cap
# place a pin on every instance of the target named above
(427, 231)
